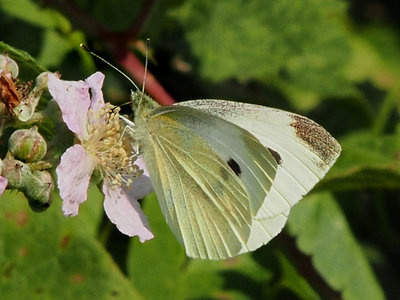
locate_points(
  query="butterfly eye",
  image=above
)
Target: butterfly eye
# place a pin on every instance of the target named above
(234, 166)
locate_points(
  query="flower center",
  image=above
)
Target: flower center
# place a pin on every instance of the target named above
(111, 147)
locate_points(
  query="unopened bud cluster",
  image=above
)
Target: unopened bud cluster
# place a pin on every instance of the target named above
(23, 165)
(27, 145)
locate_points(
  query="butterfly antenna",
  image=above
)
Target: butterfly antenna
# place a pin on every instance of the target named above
(145, 64)
(112, 66)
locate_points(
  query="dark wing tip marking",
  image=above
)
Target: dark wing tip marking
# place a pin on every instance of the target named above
(320, 141)
(234, 166)
(275, 155)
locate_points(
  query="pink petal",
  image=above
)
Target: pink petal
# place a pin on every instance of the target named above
(74, 172)
(95, 83)
(73, 99)
(126, 213)
(3, 184)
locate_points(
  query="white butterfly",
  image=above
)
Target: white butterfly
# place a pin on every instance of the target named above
(225, 173)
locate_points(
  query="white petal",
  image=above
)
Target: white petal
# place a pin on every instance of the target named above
(73, 99)
(74, 172)
(126, 213)
(3, 184)
(95, 82)
(142, 165)
(141, 186)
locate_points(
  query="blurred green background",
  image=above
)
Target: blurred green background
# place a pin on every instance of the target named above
(337, 62)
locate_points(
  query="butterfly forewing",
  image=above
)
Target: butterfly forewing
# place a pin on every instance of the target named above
(227, 174)
(304, 149)
(204, 201)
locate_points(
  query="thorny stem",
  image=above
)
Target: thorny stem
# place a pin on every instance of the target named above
(136, 68)
(118, 43)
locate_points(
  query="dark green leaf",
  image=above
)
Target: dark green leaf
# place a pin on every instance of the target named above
(292, 280)
(30, 12)
(155, 267)
(23, 59)
(299, 45)
(322, 232)
(46, 256)
(367, 161)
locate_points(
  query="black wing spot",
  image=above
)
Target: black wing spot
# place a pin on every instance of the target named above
(234, 166)
(276, 156)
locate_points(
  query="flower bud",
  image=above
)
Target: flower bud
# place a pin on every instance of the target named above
(27, 145)
(8, 66)
(38, 189)
(14, 170)
(3, 180)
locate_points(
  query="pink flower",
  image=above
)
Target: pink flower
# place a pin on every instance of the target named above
(3, 180)
(102, 146)
(3, 184)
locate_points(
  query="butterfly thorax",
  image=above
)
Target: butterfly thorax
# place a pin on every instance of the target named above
(142, 104)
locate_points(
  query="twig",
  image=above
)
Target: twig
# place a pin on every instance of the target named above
(135, 67)
(118, 43)
(134, 30)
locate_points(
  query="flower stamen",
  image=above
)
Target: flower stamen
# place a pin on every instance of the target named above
(110, 146)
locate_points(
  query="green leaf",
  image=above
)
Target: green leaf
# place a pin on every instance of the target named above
(322, 232)
(293, 281)
(159, 268)
(116, 15)
(376, 55)
(30, 12)
(297, 45)
(237, 278)
(24, 60)
(46, 256)
(203, 279)
(56, 46)
(155, 266)
(367, 161)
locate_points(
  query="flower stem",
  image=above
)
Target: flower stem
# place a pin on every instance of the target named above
(382, 118)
